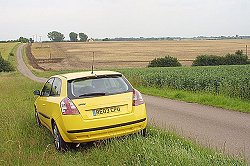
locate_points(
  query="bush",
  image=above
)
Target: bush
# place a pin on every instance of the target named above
(208, 60)
(167, 61)
(5, 66)
(11, 54)
(238, 58)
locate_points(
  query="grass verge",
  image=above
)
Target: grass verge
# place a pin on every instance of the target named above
(6, 48)
(199, 97)
(12, 59)
(24, 143)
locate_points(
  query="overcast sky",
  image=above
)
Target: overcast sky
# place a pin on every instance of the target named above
(124, 18)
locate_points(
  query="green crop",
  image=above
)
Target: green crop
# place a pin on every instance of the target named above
(232, 81)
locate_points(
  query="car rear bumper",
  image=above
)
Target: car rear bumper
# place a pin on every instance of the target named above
(81, 130)
(105, 132)
(106, 127)
(109, 133)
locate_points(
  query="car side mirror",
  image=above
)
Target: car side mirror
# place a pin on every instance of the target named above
(37, 92)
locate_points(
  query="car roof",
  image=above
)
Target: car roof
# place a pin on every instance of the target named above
(71, 76)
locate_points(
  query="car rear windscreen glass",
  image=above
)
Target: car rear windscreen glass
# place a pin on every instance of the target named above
(98, 86)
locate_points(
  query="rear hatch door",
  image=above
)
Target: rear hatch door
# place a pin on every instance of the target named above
(101, 96)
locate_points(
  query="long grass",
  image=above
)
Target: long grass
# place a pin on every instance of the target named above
(220, 101)
(6, 48)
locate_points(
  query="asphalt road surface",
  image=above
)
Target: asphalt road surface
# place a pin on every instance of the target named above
(21, 66)
(220, 129)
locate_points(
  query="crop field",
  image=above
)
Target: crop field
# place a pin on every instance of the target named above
(78, 55)
(24, 143)
(232, 81)
(5, 49)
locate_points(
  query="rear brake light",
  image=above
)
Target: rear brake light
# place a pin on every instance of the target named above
(137, 98)
(68, 107)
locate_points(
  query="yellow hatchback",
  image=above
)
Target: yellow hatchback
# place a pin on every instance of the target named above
(85, 106)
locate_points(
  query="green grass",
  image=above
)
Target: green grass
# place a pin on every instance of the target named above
(6, 48)
(12, 59)
(24, 143)
(220, 101)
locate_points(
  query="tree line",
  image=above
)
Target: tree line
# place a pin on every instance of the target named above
(54, 36)
(73, 36)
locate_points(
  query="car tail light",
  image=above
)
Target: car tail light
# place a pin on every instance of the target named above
(137, 98)
(68, 107)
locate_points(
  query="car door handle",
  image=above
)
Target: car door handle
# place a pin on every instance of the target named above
(43, 104)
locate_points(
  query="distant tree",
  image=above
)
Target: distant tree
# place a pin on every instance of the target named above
(73, 36)
(23, 40)
(56, 36)
(106, 39)
(83, 37)
(31, 40)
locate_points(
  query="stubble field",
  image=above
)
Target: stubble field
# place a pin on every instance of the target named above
(78, 55)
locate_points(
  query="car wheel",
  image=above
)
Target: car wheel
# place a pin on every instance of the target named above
(60, 145)
(37, 118)
(143, 132)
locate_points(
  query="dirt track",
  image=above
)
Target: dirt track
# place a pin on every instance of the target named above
(213, 127)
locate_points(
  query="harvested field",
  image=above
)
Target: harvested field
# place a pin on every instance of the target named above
(78, 55)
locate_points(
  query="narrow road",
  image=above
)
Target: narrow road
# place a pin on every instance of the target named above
(219, 129)
(22, 67)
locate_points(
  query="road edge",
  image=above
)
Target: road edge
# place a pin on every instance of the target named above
(23, 68)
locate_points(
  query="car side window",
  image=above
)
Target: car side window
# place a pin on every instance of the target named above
(47, 87)
(56, 87)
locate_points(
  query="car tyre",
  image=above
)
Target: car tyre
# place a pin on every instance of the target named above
(37, 118)
(60, 144)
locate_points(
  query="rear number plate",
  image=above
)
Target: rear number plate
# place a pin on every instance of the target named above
(101, 111)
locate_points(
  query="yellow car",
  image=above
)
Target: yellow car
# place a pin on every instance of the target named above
(85, 106)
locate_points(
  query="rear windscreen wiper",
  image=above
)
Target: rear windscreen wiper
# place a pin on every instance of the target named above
(93, 94)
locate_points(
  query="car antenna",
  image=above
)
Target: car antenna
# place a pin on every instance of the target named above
(93, 63)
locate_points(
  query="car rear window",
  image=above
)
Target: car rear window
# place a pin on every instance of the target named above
(98, 86)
